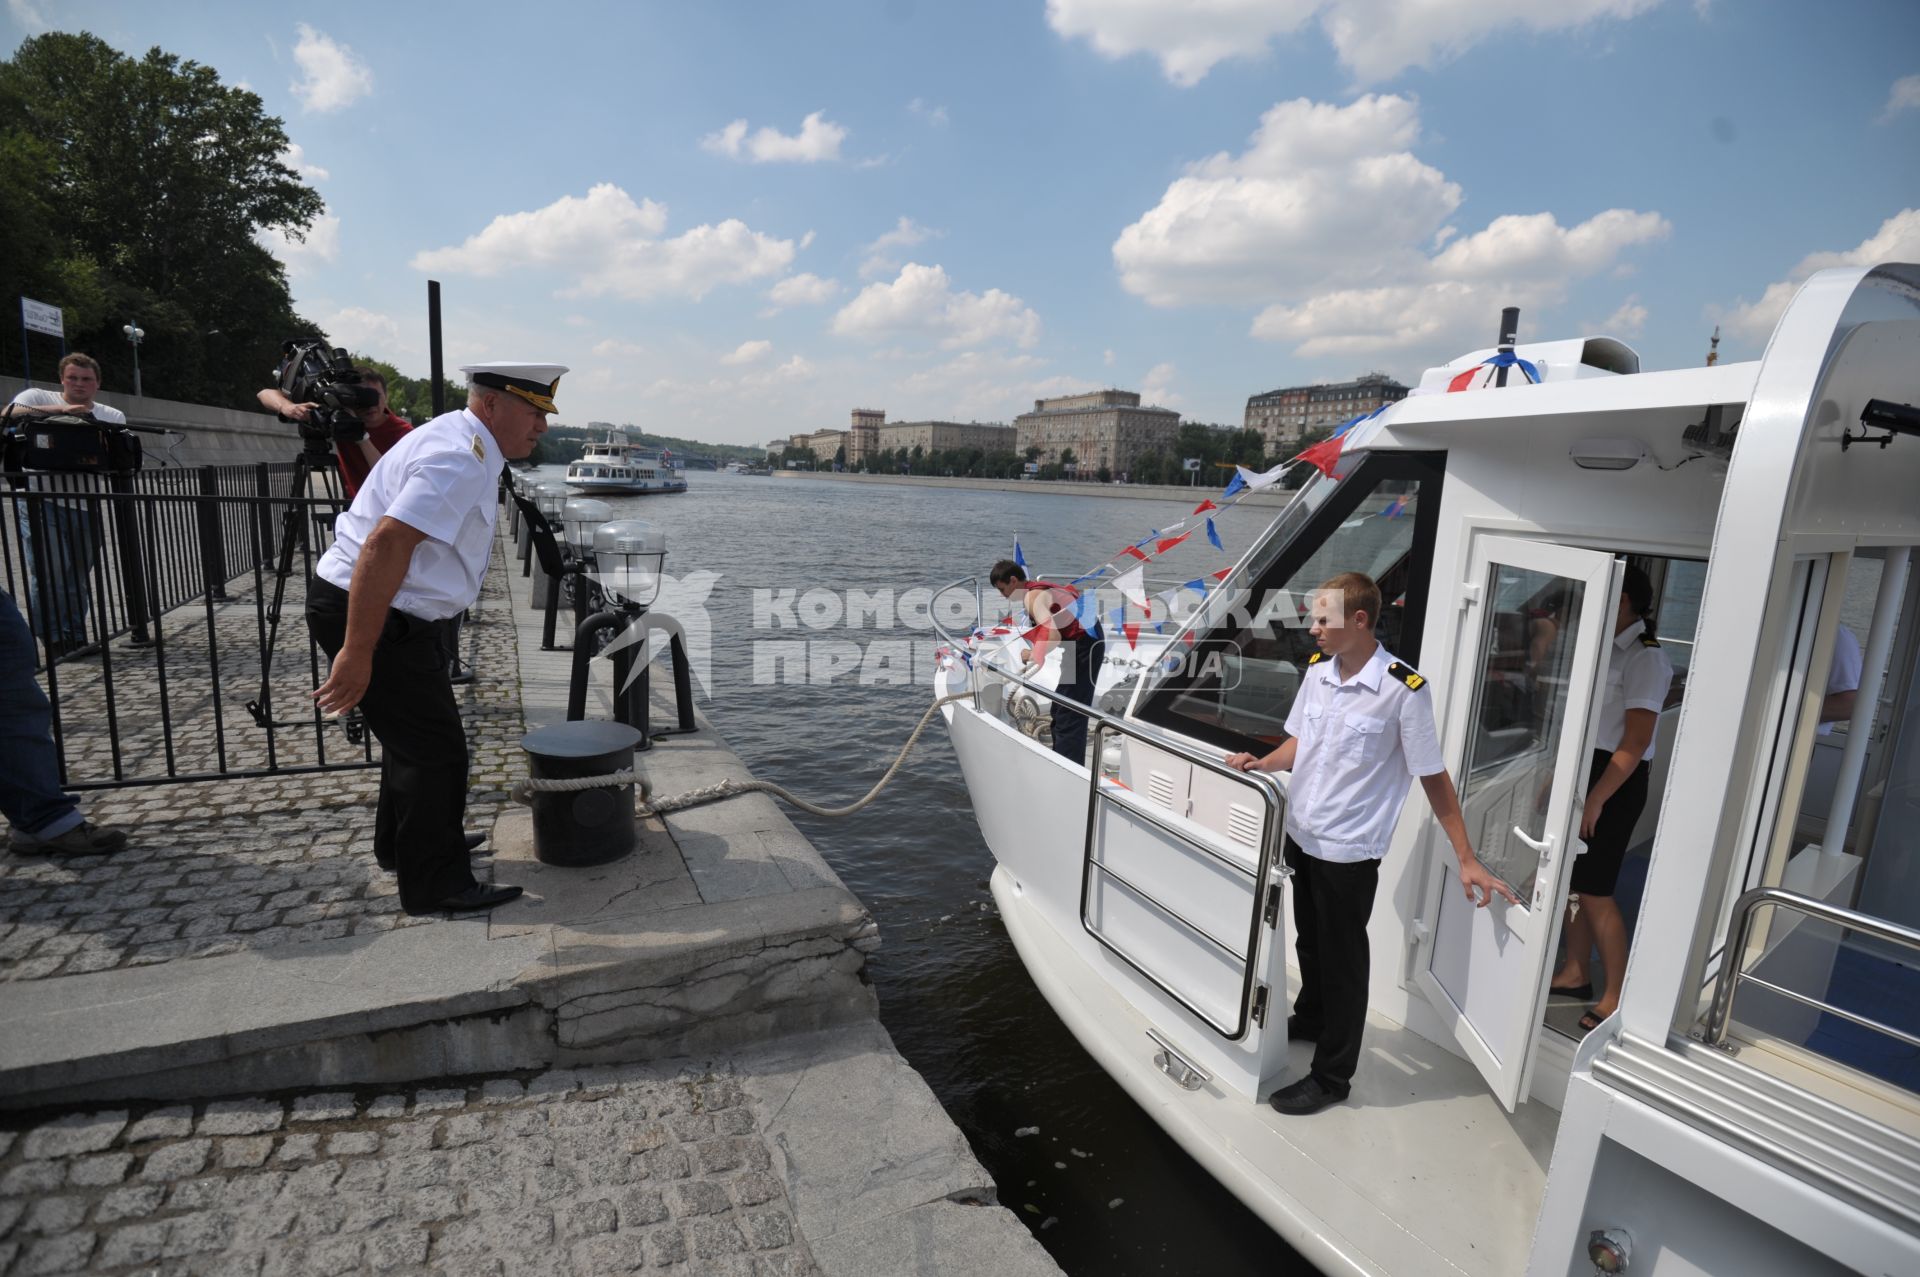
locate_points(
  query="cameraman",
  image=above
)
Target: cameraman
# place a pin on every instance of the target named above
(68, 550)
(384, 428)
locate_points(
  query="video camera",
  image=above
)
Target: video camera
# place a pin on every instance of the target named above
(68, 443)
(312, 372)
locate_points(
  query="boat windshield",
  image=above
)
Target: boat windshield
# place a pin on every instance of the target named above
(1235, 685)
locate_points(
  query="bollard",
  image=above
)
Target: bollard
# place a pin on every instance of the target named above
(588, 826)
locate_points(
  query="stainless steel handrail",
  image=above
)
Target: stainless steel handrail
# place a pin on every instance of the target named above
(1720, 1015)
(1101, 723)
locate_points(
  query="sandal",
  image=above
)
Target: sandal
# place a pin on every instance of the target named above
(1589, 1022)
(1583, 992)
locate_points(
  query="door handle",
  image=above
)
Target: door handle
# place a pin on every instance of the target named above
(1543, 846)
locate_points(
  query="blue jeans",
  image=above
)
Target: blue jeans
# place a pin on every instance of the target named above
(30, 793)
(58, 565)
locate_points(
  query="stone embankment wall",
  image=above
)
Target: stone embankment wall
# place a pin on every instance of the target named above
(204, 436)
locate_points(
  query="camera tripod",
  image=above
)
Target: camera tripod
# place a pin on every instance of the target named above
(314, 459)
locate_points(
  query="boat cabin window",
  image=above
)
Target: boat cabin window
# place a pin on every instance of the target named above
(1844, 833)
(1377, 515)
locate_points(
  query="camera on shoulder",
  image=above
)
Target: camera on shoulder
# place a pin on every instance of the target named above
(310, 371)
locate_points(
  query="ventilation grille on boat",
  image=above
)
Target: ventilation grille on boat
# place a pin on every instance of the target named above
(1243, 825)
(1160, 789)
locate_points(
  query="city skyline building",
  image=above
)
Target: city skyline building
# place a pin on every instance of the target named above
(1104, 429)
(1284, 416)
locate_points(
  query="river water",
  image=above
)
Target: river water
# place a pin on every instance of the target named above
(1102, 1188)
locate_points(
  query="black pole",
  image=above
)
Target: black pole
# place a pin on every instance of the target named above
(437, 367)
(1509, 335)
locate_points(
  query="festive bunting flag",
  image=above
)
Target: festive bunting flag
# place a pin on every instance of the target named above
(1187, 638)
(1033, 634)
(1132, 630)
(1133, 551)
(1133, 585)
(1213, 535)
(1019, 559)
(1502, 359)
(1324, 455)
(1205, 506)
(1395, 508)
(1094, 575)
(1223, 574)
(1118, 616)
(1170, 542)
(1197, 585)
(1245, 478)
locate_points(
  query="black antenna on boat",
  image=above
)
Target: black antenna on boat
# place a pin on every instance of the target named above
(1509, 334)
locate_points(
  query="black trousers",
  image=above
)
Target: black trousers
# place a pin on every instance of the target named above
(1331, 904)
(418, 827)
(1070, 727)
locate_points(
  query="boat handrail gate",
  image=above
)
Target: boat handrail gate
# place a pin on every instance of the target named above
(1264, 878)
(154, 601)
(1720, 1016)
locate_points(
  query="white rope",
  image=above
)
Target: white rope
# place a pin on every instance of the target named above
(523, 791)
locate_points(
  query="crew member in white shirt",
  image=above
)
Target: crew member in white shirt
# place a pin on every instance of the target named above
(408, 557)
(1638, 679)
(1360, 730)
(61, 561)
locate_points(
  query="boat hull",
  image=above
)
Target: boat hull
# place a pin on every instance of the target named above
(625, 489)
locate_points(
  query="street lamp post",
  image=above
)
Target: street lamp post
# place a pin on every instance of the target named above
(134, 333)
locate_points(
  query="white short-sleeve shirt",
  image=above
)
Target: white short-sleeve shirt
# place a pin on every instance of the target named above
(1362, 742)
(1844, 674)
(442, 479)
(34, 397)
(1638, 677)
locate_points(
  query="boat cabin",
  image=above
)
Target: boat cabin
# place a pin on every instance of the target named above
(1754, 1104)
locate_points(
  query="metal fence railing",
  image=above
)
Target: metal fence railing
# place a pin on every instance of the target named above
(152, 597)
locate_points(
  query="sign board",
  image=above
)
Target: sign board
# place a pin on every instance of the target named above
(1192, 463)
(42, 318)
(1033, 467)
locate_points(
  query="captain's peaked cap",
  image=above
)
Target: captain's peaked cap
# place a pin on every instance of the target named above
(534, 383)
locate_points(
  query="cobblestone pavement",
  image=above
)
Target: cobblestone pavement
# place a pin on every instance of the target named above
(215, 867)
(589, 1172)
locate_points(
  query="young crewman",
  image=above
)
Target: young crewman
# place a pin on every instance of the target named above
(1361, 728)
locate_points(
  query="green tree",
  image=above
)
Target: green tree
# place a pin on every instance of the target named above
(133, 189)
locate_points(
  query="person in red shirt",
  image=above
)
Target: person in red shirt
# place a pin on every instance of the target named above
(356, 459)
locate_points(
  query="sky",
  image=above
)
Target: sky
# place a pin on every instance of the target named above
(735, 221)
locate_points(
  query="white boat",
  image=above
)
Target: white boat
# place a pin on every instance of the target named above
(1695, 1131)
(617, 466)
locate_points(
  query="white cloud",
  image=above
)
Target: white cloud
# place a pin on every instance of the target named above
(331, 77)
(1375, 39)
(1330, 218)
(1897, 240)
(295, 158)
(608, 244)
(1630, 320)
(1107, 358)
(978, 386)
(27, 15)
(803, 290)
(364, 331)
(923, 300)
(934, 115)
(1157, 387)
(879, 257)
(616, 348)
(321, 244)
(1904, 96)
(748, 352)
(818, 139)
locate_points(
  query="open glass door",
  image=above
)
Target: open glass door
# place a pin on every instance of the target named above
(1523, 690)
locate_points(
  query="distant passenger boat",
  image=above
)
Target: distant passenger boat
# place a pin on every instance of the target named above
(623, 468)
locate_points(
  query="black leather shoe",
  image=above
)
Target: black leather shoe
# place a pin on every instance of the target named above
(474, 839)
(478, 896)
(1308, 1095)
(1298, 1032)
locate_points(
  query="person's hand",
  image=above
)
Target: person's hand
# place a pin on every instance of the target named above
(299, 411)
(1590, 816)
(346, 683)
(1481, 886)
(1243, 762)
(1026, 656)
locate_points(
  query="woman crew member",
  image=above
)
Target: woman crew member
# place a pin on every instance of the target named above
(1638, 679)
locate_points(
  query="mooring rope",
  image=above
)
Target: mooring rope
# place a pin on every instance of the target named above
(523, 791)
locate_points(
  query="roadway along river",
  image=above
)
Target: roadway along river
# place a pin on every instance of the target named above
(1100, 1185)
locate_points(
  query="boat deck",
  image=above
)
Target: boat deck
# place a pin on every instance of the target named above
(1421, 1171)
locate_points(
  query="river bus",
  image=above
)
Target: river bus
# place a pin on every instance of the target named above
(1753, 1106)
(616, 466)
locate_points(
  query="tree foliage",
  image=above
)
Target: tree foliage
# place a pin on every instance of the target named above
(131, 191)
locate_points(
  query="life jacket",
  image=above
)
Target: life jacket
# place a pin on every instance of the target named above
(1070, 628)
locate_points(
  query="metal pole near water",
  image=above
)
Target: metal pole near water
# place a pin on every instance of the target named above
(1509, 336)
(436, 368)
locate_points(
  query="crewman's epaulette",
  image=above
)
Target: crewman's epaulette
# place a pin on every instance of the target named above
(479, 449)
(1316, 658)
(1412, 678)
(1648, 640)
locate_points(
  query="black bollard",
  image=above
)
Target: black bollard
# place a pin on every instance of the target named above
(587, 826)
